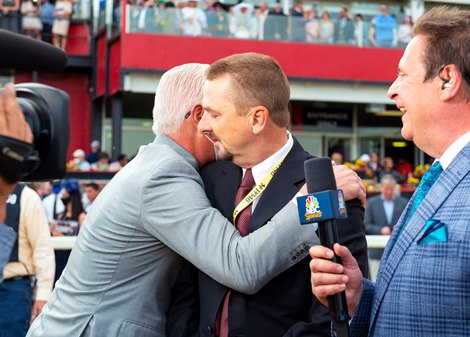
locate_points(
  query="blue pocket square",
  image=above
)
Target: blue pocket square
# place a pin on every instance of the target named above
(434, 231)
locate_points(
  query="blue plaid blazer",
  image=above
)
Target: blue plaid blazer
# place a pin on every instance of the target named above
(423, 289)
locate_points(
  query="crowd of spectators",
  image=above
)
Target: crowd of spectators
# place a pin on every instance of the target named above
(39, 19)
(95, 161)
(301, 23)
(49, 20)
(371, 169)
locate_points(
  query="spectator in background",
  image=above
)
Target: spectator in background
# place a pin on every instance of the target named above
(404, 31)
(362, 166)
(383, 29)
(47, 19)
(327, 29)
(375, 165)
(382, 213)
(60, 27)
(344, 28)
(69, 222)
(218, 21)
(194, 19)
(404, 168)
(389, 168)
(32, 259)
(78, 163)
(297, 22)
(243, 24)
(121, 161)
(102, 164)
(10, 16)
(72, 200)
(359, 31)
(312, 26)
(132, 12)
(261, 15)
(52, 203)
(91, 192)
(337, 157)
(169, 19)
(32, 25)
(275, 27)
(148, 17)
(95, 150)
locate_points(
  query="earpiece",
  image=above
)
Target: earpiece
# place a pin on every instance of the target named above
(447, 84)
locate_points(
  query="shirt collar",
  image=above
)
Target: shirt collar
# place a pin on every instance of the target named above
(261, 170)
(453, 150)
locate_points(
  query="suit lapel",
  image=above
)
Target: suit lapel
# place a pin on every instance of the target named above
(282, 188)
(226, 188)
(399, 243)
(381, 210)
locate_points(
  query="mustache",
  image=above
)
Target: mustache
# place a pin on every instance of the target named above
(210, 136)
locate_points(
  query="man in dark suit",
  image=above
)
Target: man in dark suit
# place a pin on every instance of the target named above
(382, 213)
(246, 114)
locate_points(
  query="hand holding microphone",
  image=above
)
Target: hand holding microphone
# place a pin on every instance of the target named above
(325, 204)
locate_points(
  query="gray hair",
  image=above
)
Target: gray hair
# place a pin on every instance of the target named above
(388, 179)
(178, 91)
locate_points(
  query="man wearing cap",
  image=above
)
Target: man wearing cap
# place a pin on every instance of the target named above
(78, 163)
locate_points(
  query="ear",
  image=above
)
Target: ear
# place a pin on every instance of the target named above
(452, 82)
(196, 114)
(258, 118)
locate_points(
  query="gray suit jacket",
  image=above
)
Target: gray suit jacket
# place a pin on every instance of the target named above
(130, 248)
(375, 219)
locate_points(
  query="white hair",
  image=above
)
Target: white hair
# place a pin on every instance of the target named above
(178, 91)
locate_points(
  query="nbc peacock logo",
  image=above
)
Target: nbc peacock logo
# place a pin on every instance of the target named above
(312, 208)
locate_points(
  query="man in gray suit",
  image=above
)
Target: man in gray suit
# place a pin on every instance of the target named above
(382, 213)
(149, 217)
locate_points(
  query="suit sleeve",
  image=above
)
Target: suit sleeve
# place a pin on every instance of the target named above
(181, 217)
(351, 233)
(359, 325)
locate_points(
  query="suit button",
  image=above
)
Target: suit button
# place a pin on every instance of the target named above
(293, 258)
(209, 328)
(297, 254)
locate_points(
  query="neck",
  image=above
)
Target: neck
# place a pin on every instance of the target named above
(264, 146)
(449, 130)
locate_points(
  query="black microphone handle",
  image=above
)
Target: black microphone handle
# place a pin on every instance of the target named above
(319, 176)
(337, 303)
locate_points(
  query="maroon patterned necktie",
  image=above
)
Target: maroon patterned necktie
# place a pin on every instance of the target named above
(243, 225)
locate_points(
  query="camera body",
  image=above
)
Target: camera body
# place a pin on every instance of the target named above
(46, 109)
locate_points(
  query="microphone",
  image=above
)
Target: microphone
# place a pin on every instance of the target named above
(22, 52)
(325, 204)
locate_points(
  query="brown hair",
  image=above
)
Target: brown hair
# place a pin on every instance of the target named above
(447, 32)
(257, 79)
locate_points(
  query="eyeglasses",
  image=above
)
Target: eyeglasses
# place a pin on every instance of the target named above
(186, 116)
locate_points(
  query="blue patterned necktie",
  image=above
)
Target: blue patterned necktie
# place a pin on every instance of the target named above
(428, 179)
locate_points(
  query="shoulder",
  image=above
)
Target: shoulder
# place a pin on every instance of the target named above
(374, 200)
(29, 195)
(218, 169)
